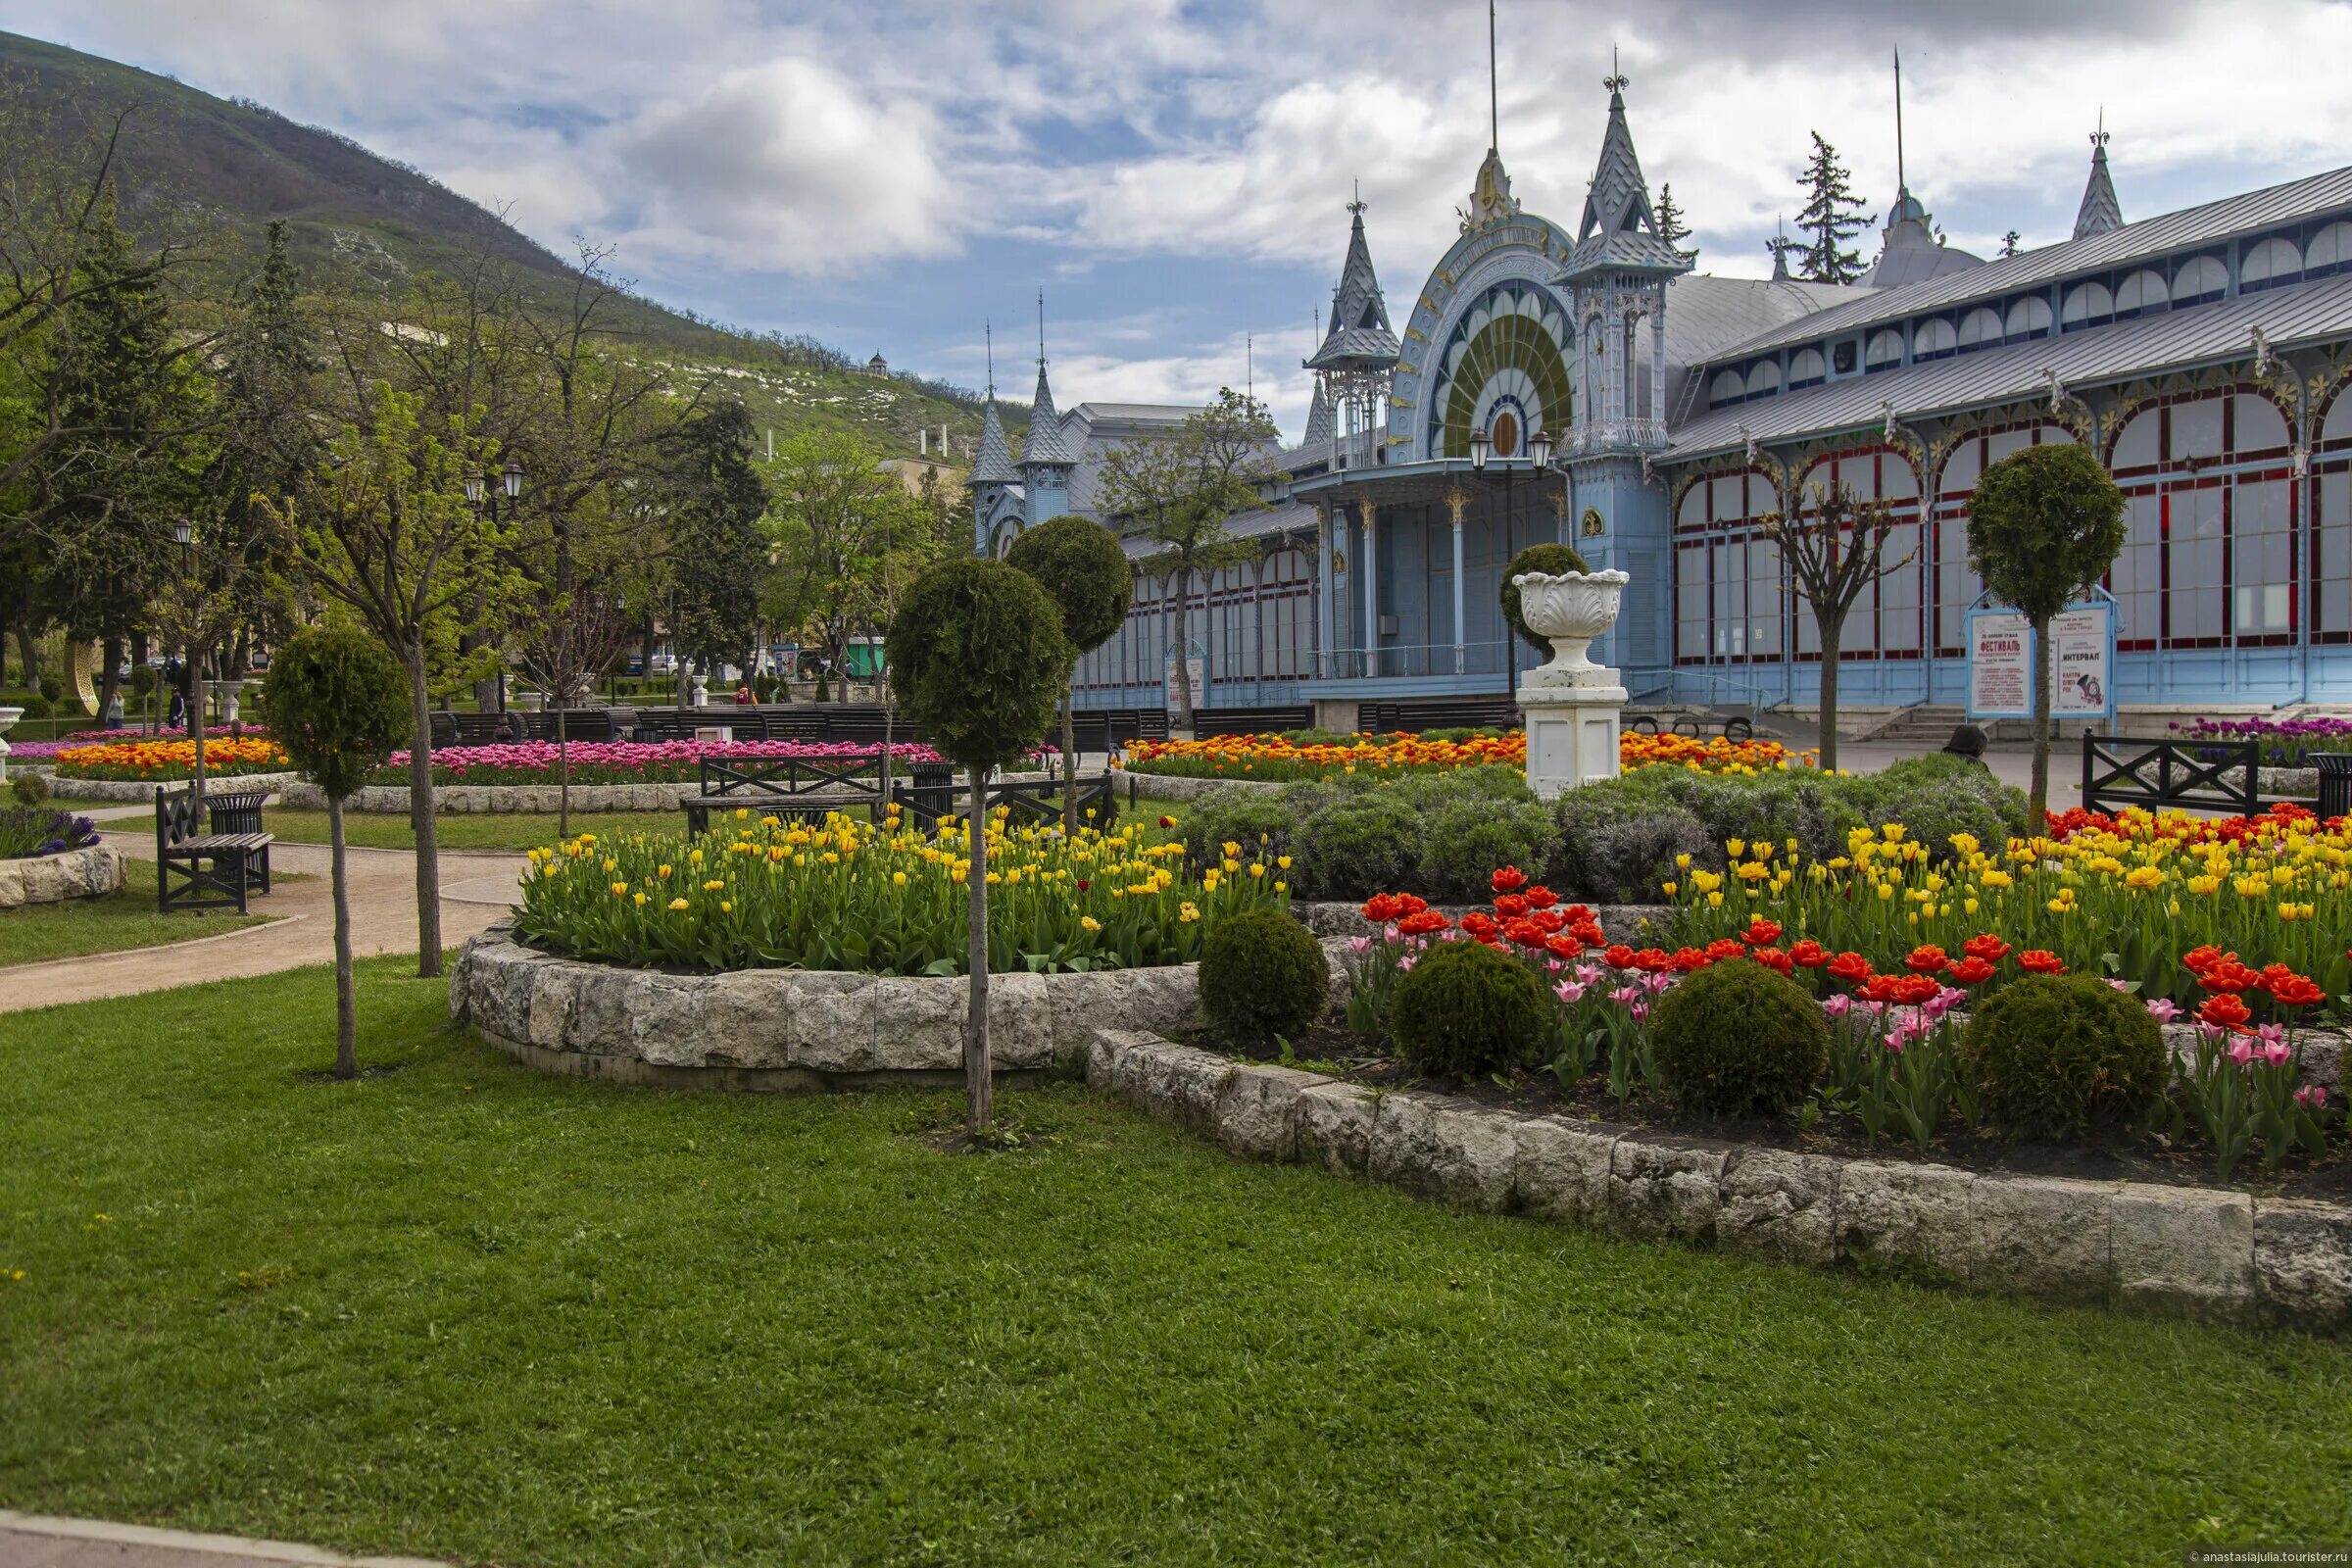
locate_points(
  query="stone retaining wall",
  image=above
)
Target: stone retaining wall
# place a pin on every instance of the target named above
(92, 873)
(2179, 1249)
(141, 791)
(791, 1028)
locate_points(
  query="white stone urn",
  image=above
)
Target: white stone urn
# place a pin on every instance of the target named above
(228, 695)
(1570, 609)
(8, 721)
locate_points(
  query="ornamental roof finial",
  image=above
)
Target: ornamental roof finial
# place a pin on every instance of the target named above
(1615, 81)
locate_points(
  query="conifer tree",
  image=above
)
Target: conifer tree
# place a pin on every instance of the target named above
(1671, 228)
(2009, 244)
(1833, 216)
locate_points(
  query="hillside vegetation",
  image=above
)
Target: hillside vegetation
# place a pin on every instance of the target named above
(371, 224)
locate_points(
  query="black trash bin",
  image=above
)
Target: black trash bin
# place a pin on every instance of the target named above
(2335, 783)
(239, 813)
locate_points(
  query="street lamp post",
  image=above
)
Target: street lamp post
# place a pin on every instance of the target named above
(484, 500)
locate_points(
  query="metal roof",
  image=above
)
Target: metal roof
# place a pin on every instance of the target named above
(1045, 444)
(994, 465)
(2202, 334)
(2251, 213)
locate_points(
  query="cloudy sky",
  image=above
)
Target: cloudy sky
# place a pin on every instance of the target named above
(1174, 172)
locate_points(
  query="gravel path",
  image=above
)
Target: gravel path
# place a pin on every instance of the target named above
(475, 889)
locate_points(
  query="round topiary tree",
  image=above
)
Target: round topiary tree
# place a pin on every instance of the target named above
(2045, 523)
(1551, 560)
(1464, 1011)
(981, 662)
(1079, 562)
(338, 701)
(1262, 974)
(2064, 1056)
(1737, 1039)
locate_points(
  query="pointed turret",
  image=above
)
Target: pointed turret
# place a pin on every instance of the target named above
(2100, 211)
(1046, 458)
(994, 465)
(1045, 445)
(1360, 337)
(1619, 230)
(1320, 427)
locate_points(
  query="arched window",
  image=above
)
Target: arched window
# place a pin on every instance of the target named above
(1730, 603)
(2029, 318)
(2198, 279)
(2270, 263)
(1979, 328)
(1934, 339)
(2331, 513)
(1955, 584)
(1887, 620)
(2208, 557)
(2086, 305)
(1729, 386)
(2330, 248)
(2143, 291)
(1805, 367)
(1763, 378)
(1886, 348)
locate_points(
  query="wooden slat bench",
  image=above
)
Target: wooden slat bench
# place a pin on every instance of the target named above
(797, 787)
(201, 870)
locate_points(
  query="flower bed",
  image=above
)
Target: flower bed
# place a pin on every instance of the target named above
(161, 760)
(1279, 759)
(28, 832)
(631, 762)
(46, 751)
(759, 893)
(1894, 1067)
(2285, 742)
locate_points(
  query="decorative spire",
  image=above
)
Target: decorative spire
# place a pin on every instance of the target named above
(2100, 211)
(1321, 425)
(1619, 230)
(1360, 336)
(994, 465)
(1781, 245)
(1045, 445)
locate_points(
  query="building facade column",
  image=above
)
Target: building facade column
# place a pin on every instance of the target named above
(1323, 587)
(1458, 502)
(1366, 512)
(1657, 363)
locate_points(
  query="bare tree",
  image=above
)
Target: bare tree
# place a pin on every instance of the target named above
(1834, 546)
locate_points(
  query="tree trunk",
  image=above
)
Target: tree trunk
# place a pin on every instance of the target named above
(347, 1010)
(1069, 770)
(196, 696)
(979, 1086)
(2040, 792)
(1832, 638)
(28, 649)
(110, 679)
(1181, 646)
(420, 818)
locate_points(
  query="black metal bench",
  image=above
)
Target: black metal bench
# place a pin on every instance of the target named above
(472, 729)
(2335, 783)
(793, 787)
(936, 792)
(2187, 775)
(587, 725)
(1250, 720)
(1438, 712)
(206, 870)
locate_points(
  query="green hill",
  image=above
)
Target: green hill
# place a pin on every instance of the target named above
(350, 210)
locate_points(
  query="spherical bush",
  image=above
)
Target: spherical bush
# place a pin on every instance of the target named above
(1552, 560)
(1465, 1009)
(2063, 1056)
(1737, 1040)
(1262, 974)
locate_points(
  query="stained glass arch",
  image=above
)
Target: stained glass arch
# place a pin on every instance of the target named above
(1503, 368)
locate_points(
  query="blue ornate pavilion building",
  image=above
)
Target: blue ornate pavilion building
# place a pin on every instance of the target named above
(2204, 353)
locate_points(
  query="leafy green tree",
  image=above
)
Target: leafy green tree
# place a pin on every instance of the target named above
(1178, 494)
(336, 698)
(840, 521)
(2045, 525)
(1078, 562)
(981, 662)
(383, 528)
(1833, 216)
(716, 550)
(1834, 546)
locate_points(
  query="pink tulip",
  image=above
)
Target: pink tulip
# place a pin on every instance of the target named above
(1405, 963)
(2241, 1051)
(1626, 995)
(1838, 1005)
(2312, 1097)
(1360, 944)
(1639, 1010)
(1569, 993)
(1587, 973)
(2163, 1010)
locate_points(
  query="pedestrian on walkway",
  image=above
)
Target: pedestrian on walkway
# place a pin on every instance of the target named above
(1967, 741)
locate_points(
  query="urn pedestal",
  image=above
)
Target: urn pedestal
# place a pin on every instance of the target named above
(1573, 705)
(8, 719)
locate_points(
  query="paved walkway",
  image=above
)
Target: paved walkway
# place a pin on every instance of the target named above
(32, 1541)
(475, 891)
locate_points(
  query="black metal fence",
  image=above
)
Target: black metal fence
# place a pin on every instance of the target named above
(2170, 775)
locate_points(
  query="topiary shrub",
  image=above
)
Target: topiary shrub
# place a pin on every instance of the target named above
(53, 689)
(1360, 844)
(1463, 842)
(29, 789)
(36, 707)
(1551, 560)
(1619, 837)
(2064, 1056)
(1464, 1011)
(1262, 974)
(1737, 1040)
(1259, 820)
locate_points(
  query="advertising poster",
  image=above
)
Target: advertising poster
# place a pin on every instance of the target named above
(1199, 668)
(2082, 686)
(2000, 665)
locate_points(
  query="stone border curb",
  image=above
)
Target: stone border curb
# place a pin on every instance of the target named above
(237, 1548)
(792, 1029)
(95, 872)
(141, 791)
(2182, 1251)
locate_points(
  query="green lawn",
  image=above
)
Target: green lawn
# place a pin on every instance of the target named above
(128, 919)
(522, 830)
(461, 1309)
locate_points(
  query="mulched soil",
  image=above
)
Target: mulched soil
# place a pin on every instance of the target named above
(1329, 1046)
